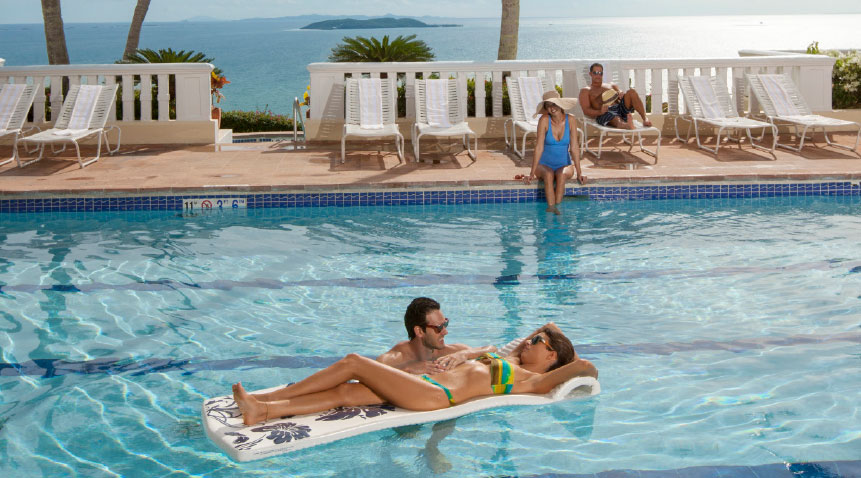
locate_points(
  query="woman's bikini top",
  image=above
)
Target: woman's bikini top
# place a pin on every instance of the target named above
(501, 373)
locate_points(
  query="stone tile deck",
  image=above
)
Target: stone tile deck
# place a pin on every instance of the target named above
(276, 166)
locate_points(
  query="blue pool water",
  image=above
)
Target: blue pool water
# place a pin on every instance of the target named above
(726, 332)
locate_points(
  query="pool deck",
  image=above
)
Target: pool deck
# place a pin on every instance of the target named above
(276, 166)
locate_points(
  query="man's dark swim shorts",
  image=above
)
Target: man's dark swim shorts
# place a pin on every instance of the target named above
(616, 110)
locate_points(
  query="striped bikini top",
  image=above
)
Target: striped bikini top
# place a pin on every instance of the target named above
(501, 374)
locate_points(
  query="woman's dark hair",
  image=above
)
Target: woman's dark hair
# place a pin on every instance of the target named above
(563, 347)
(417, 313)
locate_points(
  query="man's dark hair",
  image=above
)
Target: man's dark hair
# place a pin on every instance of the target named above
(417, 313)
(593, 65)
(563, 347)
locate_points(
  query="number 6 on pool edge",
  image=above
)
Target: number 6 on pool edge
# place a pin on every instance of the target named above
(235, 204)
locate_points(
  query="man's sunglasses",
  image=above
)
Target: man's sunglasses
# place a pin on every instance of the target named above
(439, 328)
(599, 73)
(540, 338)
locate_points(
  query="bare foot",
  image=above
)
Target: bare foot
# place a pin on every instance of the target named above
(647, 123)
(253, 410)
(553, 209)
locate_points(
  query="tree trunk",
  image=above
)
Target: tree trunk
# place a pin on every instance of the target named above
(508, 29)
(135, 28)
(55, 37)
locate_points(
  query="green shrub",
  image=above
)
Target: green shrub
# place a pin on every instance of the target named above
(256, 121)
(845, 78)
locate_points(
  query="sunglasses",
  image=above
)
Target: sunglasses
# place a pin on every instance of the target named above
(599, 73)
(540, 338)
(439, 328)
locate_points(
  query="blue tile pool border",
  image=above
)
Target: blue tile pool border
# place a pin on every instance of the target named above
(427, 196)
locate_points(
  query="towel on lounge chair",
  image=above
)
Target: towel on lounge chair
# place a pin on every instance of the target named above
(779, 96)
(9, 98)
(223, 422)
(85, 104)
(530, 95)
(437, 103)
(708, 99)
(370, 103)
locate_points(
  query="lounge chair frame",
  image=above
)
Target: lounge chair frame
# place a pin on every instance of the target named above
(806, 120)
(352, 124)
(457, 118)
(628, 135)
(15, 127)
(730, 122)
(519, 116)
(97, 128)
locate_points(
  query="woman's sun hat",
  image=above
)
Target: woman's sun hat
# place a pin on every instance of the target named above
(552, 96)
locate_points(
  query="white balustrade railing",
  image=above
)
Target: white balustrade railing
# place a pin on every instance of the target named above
(655, 77)
(191, 92)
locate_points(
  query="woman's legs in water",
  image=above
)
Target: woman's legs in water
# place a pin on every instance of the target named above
(546, 175)
(325, 390)
(562, 176)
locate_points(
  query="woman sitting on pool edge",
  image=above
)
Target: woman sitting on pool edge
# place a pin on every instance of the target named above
(555, 145)
(542, 361)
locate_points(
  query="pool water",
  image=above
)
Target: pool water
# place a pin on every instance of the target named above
(726, 332)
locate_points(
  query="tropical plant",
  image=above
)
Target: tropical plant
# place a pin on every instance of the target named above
(55, 36)
(255, 121)
(135, 28)
(845, 77)
(509, 27)
(361, 49)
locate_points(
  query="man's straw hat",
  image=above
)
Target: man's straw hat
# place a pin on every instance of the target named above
(553, 97)
(609, 97)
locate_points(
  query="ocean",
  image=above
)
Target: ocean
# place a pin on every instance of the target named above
(265, 60)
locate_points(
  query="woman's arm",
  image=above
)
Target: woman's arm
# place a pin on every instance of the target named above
(545, 382)
(543, 123)
(574, 148)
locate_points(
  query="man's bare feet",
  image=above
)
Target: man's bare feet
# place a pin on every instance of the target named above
(647, 123)
(253, 410)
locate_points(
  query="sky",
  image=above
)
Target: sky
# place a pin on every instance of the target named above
(77, 11)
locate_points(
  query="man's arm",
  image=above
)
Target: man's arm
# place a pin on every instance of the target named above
(396, 359)
(586, 105)
(462, 354)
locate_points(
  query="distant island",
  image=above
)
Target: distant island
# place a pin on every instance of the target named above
(352, 24)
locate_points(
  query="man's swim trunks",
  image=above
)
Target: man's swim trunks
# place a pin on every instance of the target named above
(617, 110)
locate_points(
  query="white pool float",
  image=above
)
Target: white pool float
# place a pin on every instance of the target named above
(223, 422)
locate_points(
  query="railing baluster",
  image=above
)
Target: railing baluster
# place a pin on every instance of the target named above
(496, 92)
(56, 97)
(480, 95)
(146, 97)
(39, 101)
(128, 98)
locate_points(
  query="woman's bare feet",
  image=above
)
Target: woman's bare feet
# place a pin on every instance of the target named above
(253, 410)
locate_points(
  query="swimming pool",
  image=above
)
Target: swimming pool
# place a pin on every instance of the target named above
(726, 331)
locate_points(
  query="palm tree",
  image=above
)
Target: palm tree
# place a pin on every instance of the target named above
(508, 30)
(361, 49)
(55, 36)
(135, 28)
(147, 55)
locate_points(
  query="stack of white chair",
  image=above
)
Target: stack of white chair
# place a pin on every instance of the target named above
(628, 135)
(15, 103)
(525, 94)
(783, 105)
(439, 113)
(708, 102)
(372, 112)
(84, 114)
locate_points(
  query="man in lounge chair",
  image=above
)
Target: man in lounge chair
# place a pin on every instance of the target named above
(426, 351)
(607, 105)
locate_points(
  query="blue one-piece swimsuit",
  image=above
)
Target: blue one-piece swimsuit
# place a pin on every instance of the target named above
(555, 153)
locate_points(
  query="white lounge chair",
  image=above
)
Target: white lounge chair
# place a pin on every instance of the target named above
(708, 102)
(783, 105)
(628, 135)
(438, 113)
(525, 94)
(84, 114)
(15, 103)
(371, 112)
